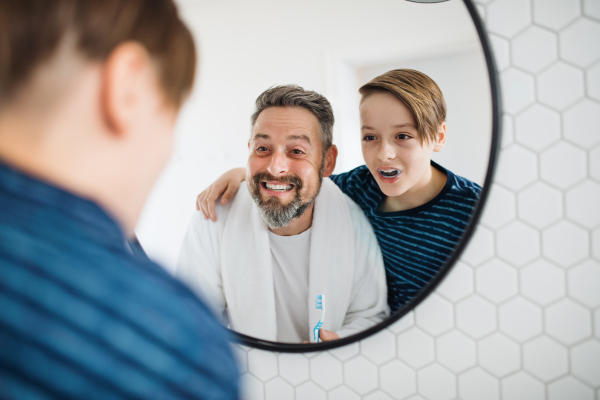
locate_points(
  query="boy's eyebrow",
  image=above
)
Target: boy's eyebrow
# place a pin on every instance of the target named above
(407, 125)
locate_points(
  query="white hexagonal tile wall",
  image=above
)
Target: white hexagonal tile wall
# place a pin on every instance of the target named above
(522, 386)
(455, 351)
(501, 51)
(397, 379)
(403, 323)
(277, 389)
(434, 315)
(252, 388)
(475, 316)
(583, 204)
(545, 359)
(458, 284)
(534, 49)
(415, 347)
(436, 383)
(595, 163)
(480, 248)
(500, 207)
(508, 17)
(310, 391)
(584, 283)
(568, 388)
(342, 393)
(518, 243)
(380, 347)
(563, 165)
(568, 322)
(326, 371)
(477, 384)
(591, 8)
(537, 127)
(580, 126)
(597, 323)
(565, 243)
(596, 243)
(346, 352)
(585, 362)
(517, 167)
(293, 368)
(543, 282)
(508, 135)
(579, 42)
(241, 356)
(499, 355)
(555, 14)
(520, 319)
(360, 375)
(496, 281)
(378, 395)
(518, 90)
(560, 85)
(262, 364)
(593, 81)
(540, 205)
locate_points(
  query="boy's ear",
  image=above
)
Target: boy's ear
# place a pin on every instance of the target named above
(330, 160)
(440, 140)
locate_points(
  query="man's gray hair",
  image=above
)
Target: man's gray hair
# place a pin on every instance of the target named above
(295, 96)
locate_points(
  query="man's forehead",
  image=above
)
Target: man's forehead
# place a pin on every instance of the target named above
(291, 123)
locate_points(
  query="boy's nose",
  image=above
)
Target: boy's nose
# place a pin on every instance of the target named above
(279, 164)
(386, 153)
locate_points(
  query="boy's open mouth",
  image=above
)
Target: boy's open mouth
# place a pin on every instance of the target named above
(277, 187)
(389, 173)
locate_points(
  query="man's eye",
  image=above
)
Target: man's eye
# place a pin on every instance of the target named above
(368, 138)
(261, 149)
(297, 152)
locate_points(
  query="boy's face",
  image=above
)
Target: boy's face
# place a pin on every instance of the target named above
(391, 146)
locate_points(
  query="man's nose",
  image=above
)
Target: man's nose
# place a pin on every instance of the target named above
(279, 164)
(386, 152)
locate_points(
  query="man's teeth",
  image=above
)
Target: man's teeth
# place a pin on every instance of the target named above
(280, 188)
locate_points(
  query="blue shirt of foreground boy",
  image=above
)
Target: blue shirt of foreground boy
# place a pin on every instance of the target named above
(82, 318)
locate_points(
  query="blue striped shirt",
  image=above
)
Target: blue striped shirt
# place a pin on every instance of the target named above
(415, 243)
(83, 318)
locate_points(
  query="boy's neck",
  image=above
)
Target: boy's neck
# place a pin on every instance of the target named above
(427, 189)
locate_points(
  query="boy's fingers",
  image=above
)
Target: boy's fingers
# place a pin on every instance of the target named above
(328, 336)
(228, 194)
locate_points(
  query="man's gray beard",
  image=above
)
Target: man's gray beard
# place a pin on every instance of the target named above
(273, 213)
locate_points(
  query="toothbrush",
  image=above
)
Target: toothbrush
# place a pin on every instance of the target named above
(320, 306)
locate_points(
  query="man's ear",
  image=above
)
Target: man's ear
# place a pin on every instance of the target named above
(440, 140)
(330, 160)
(122, 88)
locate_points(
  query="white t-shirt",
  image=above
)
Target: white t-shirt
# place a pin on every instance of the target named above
(290, 259)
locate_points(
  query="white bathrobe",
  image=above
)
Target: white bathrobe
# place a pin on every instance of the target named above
(228, 263)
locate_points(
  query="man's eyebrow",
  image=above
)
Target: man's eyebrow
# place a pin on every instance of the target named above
(300, 137)
(261, 136)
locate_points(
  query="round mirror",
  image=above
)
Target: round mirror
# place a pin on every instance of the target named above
(346, 274)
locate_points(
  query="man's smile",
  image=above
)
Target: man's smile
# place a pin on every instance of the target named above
(277, 186)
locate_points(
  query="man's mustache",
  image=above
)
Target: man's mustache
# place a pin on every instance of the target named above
(265, 176)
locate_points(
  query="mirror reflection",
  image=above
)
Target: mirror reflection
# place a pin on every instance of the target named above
(328, 228)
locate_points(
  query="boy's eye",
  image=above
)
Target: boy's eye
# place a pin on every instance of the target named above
(368, 138)
(403, 136)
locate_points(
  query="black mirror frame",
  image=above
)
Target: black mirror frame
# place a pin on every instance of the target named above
(454, 257)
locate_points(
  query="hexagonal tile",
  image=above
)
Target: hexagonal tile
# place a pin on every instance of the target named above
(596, 243)
(475, 316)
(580, 127)
(568, 388)
(346, 352)
(501, 51)
(262, 364)
(499, 355)
(522, 386)
(252, 388)
(518, 90)
(585, 362)
(480, 247)
(560, 86)
(277, 389)
(436, 383)
(565, 243)
(415, 347)
(597, 323)
(517, 243)
(380, 347)
(403, 323)
(343, 393)
(545, 359)
(508, 17)
(310, 391)
(582, 204)
(500, 207)
(591, 8)
(434, 315)
(378, 395)
(520, 319)
(293, 368)
(543, 282)
(517, 167)
(416, 397)
(568, 322)
(508, 135)
(455, 351)
(584, 282)
(562, 165)
(595, 163)
(241, 356)
(555, 14)
(326, 371)
(360, 375)
(537, 127)
(458, 284)
(496, 281)
(477, 384)
(579, 42)
(593, 82)
(534, 49)
(540, 205)
(397, 379)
